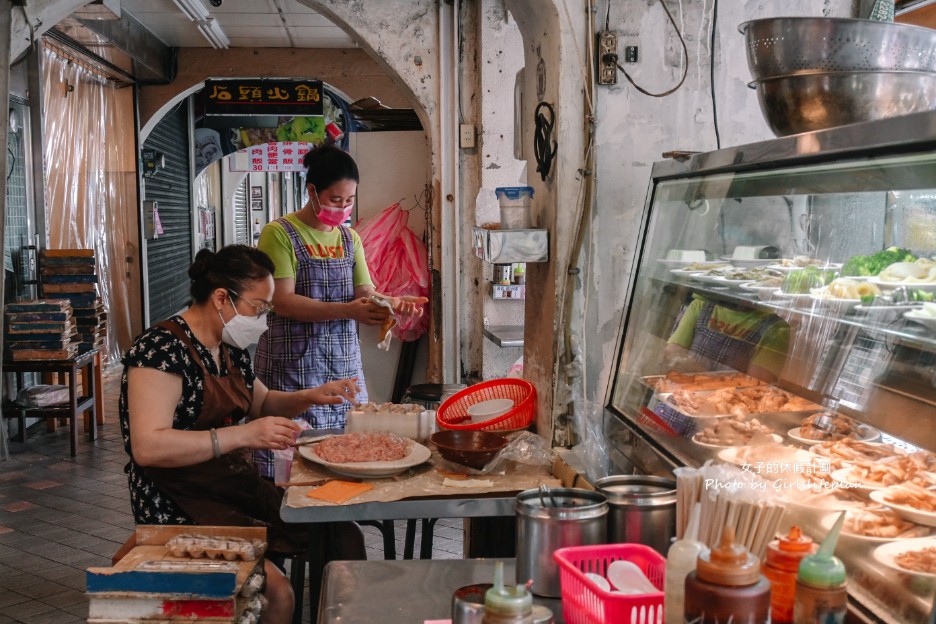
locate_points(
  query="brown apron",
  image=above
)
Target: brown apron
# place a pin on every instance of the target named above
(228, 490)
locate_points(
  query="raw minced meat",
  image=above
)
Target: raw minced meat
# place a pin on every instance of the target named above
(365, 446)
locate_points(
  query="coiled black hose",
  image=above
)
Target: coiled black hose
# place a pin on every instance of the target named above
(542, 151)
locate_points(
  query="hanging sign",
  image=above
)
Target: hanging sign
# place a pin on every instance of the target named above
(263, 97)
(282, 156)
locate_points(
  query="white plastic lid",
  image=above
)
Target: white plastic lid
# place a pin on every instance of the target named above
(513, 192)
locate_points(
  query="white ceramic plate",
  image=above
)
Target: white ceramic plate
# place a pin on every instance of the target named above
(920, 317)
(905, 511)
(845, 476)
(836, 302)
(486, 410)
(773, 436)
(832, 266)
(748, 455)
(887, 553)
(741, 262)
(868, 434)
(416, 455)
(829, 520)
(927, 286)
(678, 264)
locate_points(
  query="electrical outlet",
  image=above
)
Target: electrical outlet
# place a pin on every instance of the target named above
(630, 54)
(466, 136)
(606, 57)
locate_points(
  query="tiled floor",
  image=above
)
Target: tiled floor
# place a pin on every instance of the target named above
(60, 515)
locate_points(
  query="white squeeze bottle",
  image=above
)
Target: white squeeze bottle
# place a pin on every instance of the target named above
(680, 561)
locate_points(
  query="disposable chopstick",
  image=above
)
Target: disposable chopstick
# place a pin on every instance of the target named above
(303, 483)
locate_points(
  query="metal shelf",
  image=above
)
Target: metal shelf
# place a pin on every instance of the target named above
(505, 335)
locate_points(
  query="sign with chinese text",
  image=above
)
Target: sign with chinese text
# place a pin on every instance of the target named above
(263, 97)
(283, 156)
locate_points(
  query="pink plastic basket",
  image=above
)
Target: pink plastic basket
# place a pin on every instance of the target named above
(585, 603)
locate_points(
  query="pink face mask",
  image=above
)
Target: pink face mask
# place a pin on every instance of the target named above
(333, 216)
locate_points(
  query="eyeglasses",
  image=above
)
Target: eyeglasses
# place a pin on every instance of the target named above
(261, 309)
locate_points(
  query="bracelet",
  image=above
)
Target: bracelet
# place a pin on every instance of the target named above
(215, 444)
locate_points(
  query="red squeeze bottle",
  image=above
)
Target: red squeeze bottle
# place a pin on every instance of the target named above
(780, 566)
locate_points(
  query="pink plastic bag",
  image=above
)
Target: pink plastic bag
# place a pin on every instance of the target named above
(398, 264)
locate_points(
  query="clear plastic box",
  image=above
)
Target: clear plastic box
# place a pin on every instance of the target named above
(515, 206)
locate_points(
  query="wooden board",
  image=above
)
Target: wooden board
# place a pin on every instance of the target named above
(58, 253)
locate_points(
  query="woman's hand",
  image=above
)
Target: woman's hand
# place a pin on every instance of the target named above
(366, 312)
(408, 305)
(269, 432)
(333, 392)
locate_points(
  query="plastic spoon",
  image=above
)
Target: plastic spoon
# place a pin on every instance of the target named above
(627, 577)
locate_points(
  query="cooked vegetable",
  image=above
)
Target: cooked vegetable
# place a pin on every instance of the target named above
(877, 262)
(801, 282)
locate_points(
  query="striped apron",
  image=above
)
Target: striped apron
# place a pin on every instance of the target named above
(294, 355)
(733, 351)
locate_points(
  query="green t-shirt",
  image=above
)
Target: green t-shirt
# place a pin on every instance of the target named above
(772, 348)
(274, 242)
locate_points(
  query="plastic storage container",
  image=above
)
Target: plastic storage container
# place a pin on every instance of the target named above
(515, 207)
(584, 603)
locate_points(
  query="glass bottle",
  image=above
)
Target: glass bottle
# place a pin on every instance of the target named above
(727, 586)
(780, 567)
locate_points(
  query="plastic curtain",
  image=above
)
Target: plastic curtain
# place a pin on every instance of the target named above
(91, 197)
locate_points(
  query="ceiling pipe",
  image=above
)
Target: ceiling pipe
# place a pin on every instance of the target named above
(207, 25)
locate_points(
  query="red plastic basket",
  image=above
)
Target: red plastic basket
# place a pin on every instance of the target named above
(584, 603)
(455, 409)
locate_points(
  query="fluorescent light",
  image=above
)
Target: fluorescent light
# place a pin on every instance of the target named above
(193, 9)
(211, 31)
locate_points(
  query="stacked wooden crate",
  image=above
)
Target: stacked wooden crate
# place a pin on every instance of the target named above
(149, 584)
(40, 330)
(72, 274)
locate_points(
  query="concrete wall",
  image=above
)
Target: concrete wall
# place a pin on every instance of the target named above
(634, 130)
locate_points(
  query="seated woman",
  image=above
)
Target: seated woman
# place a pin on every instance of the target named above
(186, 386)
(713, 335)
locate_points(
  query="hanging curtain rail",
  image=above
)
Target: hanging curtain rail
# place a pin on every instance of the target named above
(69, 48)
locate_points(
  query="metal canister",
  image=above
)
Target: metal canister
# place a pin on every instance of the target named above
(641, 510)
(551, 519)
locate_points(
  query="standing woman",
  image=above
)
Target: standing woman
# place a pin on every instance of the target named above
(322, 290)
(187, 383)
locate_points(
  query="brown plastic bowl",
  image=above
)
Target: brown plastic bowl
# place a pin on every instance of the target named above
(470, 448)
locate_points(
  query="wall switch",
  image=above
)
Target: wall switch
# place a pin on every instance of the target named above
(466, 136)
(606, 58)
(630, 54)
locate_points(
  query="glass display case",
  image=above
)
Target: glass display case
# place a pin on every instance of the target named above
(782, 300)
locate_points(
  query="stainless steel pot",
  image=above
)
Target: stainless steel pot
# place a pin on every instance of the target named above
(787, 45)
(553, 519)
(815, 101)
(642, 510)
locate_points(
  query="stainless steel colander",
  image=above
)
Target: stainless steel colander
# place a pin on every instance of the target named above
(790, 45)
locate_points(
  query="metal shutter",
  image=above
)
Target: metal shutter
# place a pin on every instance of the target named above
(241, 214)
(169, 256)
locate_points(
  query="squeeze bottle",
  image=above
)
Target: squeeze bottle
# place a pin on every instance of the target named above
(821, 595)
(680, 561)
(780, 567)
(507, 605)
(727, 586)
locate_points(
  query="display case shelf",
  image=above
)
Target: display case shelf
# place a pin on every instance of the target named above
(828, 195)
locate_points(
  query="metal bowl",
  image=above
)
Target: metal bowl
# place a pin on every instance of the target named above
(788, 45)
(806, 102)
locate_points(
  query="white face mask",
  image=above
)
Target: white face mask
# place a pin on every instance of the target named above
(242, 331)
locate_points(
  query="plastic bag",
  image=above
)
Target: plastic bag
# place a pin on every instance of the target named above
(398, 264)
(525, 447)
(42, 395)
